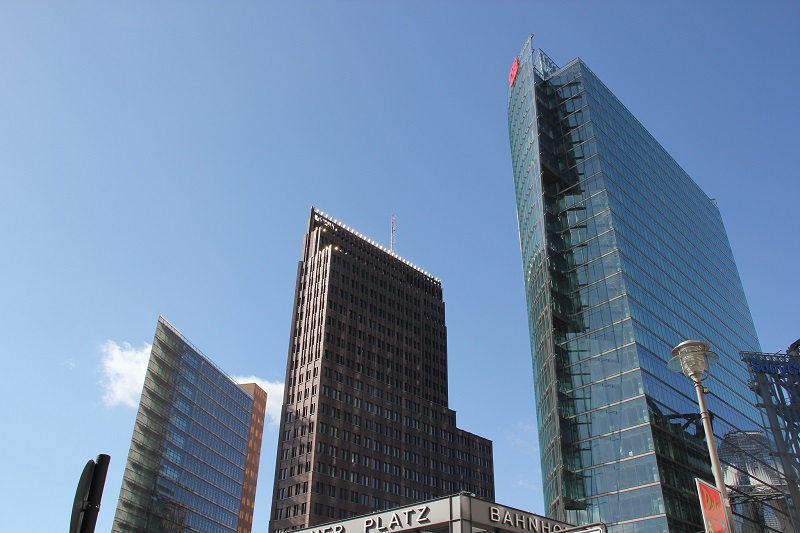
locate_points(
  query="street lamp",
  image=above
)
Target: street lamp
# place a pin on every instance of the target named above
(694, 359)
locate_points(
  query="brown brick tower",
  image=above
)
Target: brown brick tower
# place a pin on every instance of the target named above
(366, 423)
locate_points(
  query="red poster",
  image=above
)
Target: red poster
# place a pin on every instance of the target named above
(713, 511)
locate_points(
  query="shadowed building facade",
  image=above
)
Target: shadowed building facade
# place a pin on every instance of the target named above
(624, 257)
(366, 424)
(193, 460)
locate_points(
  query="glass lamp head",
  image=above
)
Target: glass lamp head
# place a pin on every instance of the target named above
(694, 359)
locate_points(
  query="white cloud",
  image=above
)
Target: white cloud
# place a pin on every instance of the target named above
(525, 437)
(123, 369)
(525, 427)
(525, 485)
(274, 391)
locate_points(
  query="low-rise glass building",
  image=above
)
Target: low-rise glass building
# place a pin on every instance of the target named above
(193, 460)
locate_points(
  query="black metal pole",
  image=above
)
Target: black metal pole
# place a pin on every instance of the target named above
(95, 494)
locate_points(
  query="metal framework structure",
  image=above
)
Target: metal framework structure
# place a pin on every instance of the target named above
(775, 379)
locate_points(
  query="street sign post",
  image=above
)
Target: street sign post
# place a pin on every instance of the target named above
(88, 496)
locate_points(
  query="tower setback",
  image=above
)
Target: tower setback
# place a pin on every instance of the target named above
(366, 424)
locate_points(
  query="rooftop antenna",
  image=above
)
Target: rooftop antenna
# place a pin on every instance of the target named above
(391, 240)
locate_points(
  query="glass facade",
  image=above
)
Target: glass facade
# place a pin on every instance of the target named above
(624, 257)
(186, 465)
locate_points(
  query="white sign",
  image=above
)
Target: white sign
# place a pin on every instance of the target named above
(403, 519)
(443, 511)
(522, 521)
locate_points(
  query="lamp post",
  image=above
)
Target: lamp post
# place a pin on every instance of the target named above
(694, 359)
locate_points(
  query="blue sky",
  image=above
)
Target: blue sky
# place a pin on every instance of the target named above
(161, 158)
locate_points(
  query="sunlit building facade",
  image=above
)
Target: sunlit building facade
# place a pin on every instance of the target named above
(366, 423)
(194, 455)
(624, 257)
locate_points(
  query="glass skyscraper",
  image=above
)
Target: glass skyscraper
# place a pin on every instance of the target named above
(624, 257)
(193, 460)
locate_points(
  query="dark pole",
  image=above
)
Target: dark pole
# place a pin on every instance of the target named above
(95, 494)
(88, 495)
(79, 504)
